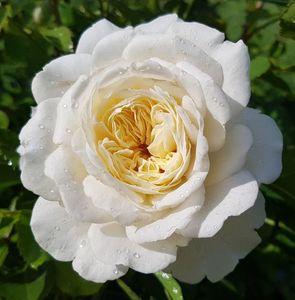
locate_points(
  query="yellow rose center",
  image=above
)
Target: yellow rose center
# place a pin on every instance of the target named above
(142, 142)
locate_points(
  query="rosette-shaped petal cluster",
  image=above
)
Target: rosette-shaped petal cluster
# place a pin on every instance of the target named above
(144, 154)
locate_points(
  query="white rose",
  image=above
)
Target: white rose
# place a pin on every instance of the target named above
(144, 155)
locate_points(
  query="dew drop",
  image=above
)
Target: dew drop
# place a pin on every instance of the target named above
(41, 147)
(182, 196)
(119, 251)
(66, 170)
(76, 105)
(136, 255)
(9, 163)
(116, 272)
(51, 191)
(165, 275)
(41, 126)
(82, 244)
(175, 290)
(65, 106)
(159, 67)
(69, 131)
(57, 228)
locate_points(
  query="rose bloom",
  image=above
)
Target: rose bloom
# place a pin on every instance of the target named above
(144, 154)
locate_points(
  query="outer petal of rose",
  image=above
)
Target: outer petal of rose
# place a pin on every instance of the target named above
(68, 118)
(217, 256)
(173, 49)
(91, 268)
(94, 34)
(236, 81)
(235, 62)
(65, 168)
(264, 159)
(110, 48)
(147, 258)
(167, 224)
(56, 231)
(216, 99)
(104, 197)
(160, 24)
(64, 238)
(36, 145)
(232, 156)
(59, 75)
(205, 37)
(230, 197)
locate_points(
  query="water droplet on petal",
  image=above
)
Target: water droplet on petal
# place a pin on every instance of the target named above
(66, 170)
(41, 126)
(116, 272)
(69, 131)
(9, 163)
(119, 251)
(57, 228)
(175, 290)
(76, 105)
(52, 192)
(65, 106)
(82, 244)
(136, 255)
(41, 147)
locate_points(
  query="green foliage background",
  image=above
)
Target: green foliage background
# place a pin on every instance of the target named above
(34, 32)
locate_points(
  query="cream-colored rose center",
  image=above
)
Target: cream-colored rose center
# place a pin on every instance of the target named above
(142, 142)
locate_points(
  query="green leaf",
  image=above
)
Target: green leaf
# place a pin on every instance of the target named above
(24, 291)
(287, 23)
(259, 66)
(284, 186)
(4, 120)
(60, 36)
(128, 291)
(234, 14)
(5, 15)
(69, 282)
(3, 253)
(171, 286)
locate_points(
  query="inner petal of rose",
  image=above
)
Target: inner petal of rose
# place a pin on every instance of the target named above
(142, 142)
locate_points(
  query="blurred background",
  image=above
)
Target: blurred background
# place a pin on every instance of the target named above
(34, 32)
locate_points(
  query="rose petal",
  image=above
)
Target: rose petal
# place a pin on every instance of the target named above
(59, 75)
(65, 168)
(217, 256)
(168, 223)
(160, 24)
(230, 197)
(94, 34)
(111, 47)
(91, 268)
(173, 49)
(264, 159)
(36, 145)
(104, 197)
(147, 258)
(55, 231)
(235, 62)
(232, 157)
